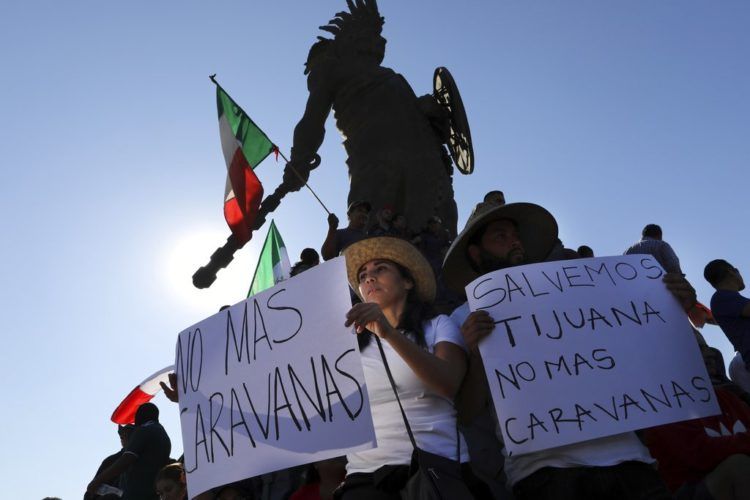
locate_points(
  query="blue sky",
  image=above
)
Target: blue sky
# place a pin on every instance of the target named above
(610, 114)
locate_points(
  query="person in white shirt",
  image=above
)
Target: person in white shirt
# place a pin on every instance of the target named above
(426, 356)
(619, 466)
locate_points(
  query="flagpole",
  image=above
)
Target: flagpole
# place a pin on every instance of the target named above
(222, 256)
(213, 79)
(306, 184)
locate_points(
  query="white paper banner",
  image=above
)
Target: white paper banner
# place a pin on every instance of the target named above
(587, 348)
(272, 382)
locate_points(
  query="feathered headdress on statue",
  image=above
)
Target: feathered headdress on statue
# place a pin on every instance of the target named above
(363, 21)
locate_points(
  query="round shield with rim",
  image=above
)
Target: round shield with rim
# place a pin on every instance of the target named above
(459, 142)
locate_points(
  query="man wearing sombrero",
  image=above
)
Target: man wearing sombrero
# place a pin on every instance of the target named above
(619, 466)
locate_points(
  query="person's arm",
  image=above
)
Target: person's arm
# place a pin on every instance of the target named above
(442, 371)
(170, 391)
(121, 465)
(681, 289)
(671, 262)
(328, 250)
(308, 136)
(475, 393)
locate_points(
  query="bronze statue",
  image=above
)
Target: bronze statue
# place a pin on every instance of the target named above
(393, 139)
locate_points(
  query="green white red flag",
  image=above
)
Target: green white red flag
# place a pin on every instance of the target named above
(143, 393)
(273, 263)
(244, 146)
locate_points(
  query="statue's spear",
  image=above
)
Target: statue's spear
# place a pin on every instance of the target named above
(206, 275)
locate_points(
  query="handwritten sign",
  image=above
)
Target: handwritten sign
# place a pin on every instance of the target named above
(587, 348)
(272, 382)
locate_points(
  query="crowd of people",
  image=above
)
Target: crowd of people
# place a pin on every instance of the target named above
(425, 379)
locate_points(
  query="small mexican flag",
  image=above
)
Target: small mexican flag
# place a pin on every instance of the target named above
(244, 146)
(143, 393)
(273, 264)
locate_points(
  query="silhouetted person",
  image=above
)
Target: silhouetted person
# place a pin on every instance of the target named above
(651, 243)
(401, 227)
(383, 225)
(124, 431)
(732, 312)
(307, 259)
(146, 453)
(495, 197)
(338, 239)
(585, 251)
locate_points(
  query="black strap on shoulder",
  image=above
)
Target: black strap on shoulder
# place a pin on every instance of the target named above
(403, 413)
(393, 386)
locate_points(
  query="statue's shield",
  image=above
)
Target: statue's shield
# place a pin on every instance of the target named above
(459, 142)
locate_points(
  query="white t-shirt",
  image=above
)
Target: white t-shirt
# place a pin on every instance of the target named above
(602, 452)
(432, 417)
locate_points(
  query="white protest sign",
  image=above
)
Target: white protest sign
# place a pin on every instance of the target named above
(587, 348)
(272, 382)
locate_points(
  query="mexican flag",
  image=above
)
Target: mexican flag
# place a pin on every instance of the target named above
(143, 393)
(273, 264)
(244, 146)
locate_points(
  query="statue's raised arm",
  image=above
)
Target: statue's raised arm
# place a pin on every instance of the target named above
(310, 131)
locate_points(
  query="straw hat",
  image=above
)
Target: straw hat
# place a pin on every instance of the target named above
(394, 249)
(538, 234)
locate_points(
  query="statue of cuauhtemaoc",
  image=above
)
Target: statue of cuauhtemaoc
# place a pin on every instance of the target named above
(394, 140)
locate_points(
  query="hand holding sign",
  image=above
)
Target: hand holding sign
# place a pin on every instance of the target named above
(477, 326)
(369, 316)
(170, 391)
(272, 382)
(588, 348)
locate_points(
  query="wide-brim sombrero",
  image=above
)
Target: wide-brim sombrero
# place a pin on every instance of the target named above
(396, 250)
(538, 234)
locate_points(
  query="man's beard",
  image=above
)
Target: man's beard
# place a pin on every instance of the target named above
(489, 262)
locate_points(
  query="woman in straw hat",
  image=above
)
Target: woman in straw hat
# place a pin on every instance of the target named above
(425, 353)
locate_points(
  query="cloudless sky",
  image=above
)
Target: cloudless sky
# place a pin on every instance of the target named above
(610, 114)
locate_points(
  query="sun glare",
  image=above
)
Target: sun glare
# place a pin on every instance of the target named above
(193, 250)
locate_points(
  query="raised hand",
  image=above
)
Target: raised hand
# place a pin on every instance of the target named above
(171, 391)
(681, 289)
(369, 316)
(477, 326)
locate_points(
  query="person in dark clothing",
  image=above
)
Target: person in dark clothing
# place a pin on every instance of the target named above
(146, 453)
(401, 227)
(124, 431)
(585, 251)
(731, 311)
(336, 240)
(383, 225)
(309, 258)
